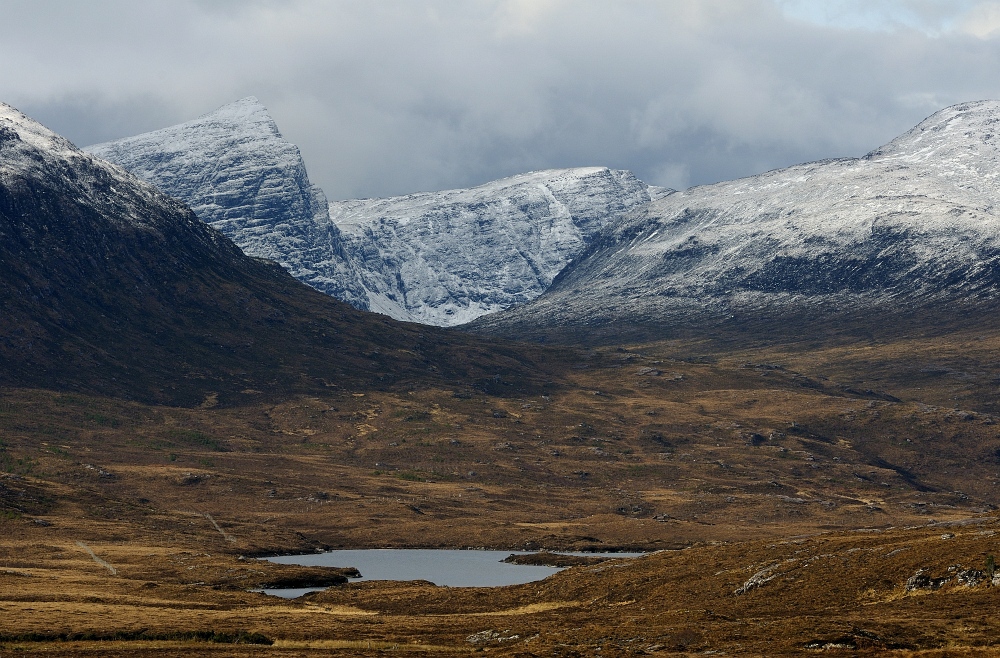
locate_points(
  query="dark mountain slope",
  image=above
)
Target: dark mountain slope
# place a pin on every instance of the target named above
(109, 286)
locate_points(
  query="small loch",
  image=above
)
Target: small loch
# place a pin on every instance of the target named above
(447, 568)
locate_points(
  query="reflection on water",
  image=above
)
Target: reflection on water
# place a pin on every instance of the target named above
(450, 568)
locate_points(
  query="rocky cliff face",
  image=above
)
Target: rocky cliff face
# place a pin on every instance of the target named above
(912, 224)
(236, 171)
(445, 258)
(440, 258)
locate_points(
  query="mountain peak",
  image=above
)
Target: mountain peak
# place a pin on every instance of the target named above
(963, 126)
(240, 121)
(31, 152)
(18, 127)
(251, 103)
(433, 257)
(910, 228)
(971, 114)
(239, 174)
(247, 112)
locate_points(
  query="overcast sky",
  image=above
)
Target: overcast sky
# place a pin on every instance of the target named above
(388, 97)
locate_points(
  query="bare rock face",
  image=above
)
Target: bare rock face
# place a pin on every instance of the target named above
(238, 174)
(913, 224)
(445, 258)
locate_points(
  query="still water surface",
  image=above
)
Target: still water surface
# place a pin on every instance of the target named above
(450, 568)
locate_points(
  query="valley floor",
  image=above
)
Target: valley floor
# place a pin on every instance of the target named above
(791, 493)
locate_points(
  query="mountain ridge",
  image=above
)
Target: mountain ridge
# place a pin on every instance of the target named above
(448, 257)
(439, 258)
(913, 224)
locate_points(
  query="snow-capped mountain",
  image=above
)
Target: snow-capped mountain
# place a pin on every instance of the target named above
(439, 258)
(913, 223)
(109, 286)
(445, 258)
(238, 173)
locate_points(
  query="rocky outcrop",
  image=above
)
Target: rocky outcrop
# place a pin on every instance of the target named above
(557, 560)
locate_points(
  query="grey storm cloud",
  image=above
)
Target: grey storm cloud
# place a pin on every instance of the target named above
(393, 97)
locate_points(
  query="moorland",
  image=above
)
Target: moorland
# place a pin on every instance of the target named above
(829, 476)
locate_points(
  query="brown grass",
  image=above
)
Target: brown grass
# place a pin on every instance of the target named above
(746, 460)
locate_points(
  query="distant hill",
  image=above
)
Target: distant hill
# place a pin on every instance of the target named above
(110, 286)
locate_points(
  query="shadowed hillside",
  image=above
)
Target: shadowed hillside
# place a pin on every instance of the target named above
(109, 286)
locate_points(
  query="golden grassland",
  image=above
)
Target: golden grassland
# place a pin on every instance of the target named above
(831, 473)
